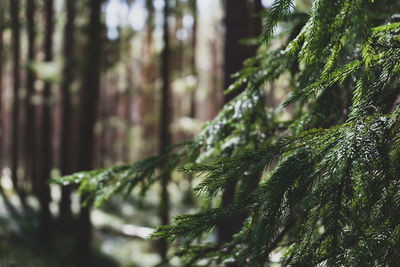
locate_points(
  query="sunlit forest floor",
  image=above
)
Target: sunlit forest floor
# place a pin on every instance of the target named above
(121, 229)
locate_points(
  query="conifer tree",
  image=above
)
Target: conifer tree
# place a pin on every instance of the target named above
(239, 26)
(193, 62)
(165, 121)
(2, 59)
(66, 162)
(30, 109)
(318, 189)
(45, 134)
(88, 115)
(15, 26)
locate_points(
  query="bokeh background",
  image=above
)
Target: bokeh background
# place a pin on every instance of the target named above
(93, 83)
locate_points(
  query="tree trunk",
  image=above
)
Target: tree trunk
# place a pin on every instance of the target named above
(146, 102)
(240, 23)
(165, 120)
(236, 27)
(236, 23)
(88, 114)
(15, 28)
(30, 110)
(66, 164)
(257, 18)
(46, 157)
(193, 63)
(2, 59)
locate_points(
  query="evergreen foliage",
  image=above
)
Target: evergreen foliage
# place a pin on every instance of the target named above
(322, 188)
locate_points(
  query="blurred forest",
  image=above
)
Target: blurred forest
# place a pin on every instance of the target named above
(96, 83)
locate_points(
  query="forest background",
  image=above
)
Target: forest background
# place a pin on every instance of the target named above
(92, 84)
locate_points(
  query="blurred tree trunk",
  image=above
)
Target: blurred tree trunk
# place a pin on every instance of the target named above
(257, 18)
(146, 103)
(89, 105)
(193, 63)
(108, 113)
(2, 60)
(177, 61)
(104, 117)
(46, 157)
(15, 38)
(236, 28)
(125, 112)
(188, 194)
(30, 109)
(112, 116)
(66, 163)
(240, 23)
(256, 24)
(214, 99)
(236, 23)
(165, 121)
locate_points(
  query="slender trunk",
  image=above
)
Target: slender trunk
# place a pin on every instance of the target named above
(240, 24)
(15, 25)
(214, 98)
(150, 27)
(66, 165)
(146, 102)
(30, 110)
(236, 26)
(257, 17)
(178, 44)
(112, 114)
(2, 59)
(46, 158)
(188, 197)
(127, 111)
(255, 28)
(165, 135)
(193, 63)
(89, 104)
(103, 113)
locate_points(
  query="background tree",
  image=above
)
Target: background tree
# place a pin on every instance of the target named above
(88, 106)
(2, 60)
(15, 25)
(165, 122)
(66, 157)
(242, 22)
(31, 160)
(46, 132)
(193, 63)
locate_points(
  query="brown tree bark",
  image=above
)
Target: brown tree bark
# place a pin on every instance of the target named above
(89, 105)
(15, 38)
(165, 121)
(124, 111)
(236, 25)
(30, 110)
(66, 162)
(146, 99)
(236, 28)
(257, 19)
(46, 136)
(2, 59)
(103, 114)
(239, 24)
(177, 61)
(193, 62)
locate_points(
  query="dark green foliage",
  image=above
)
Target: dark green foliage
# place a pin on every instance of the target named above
(322, 188)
